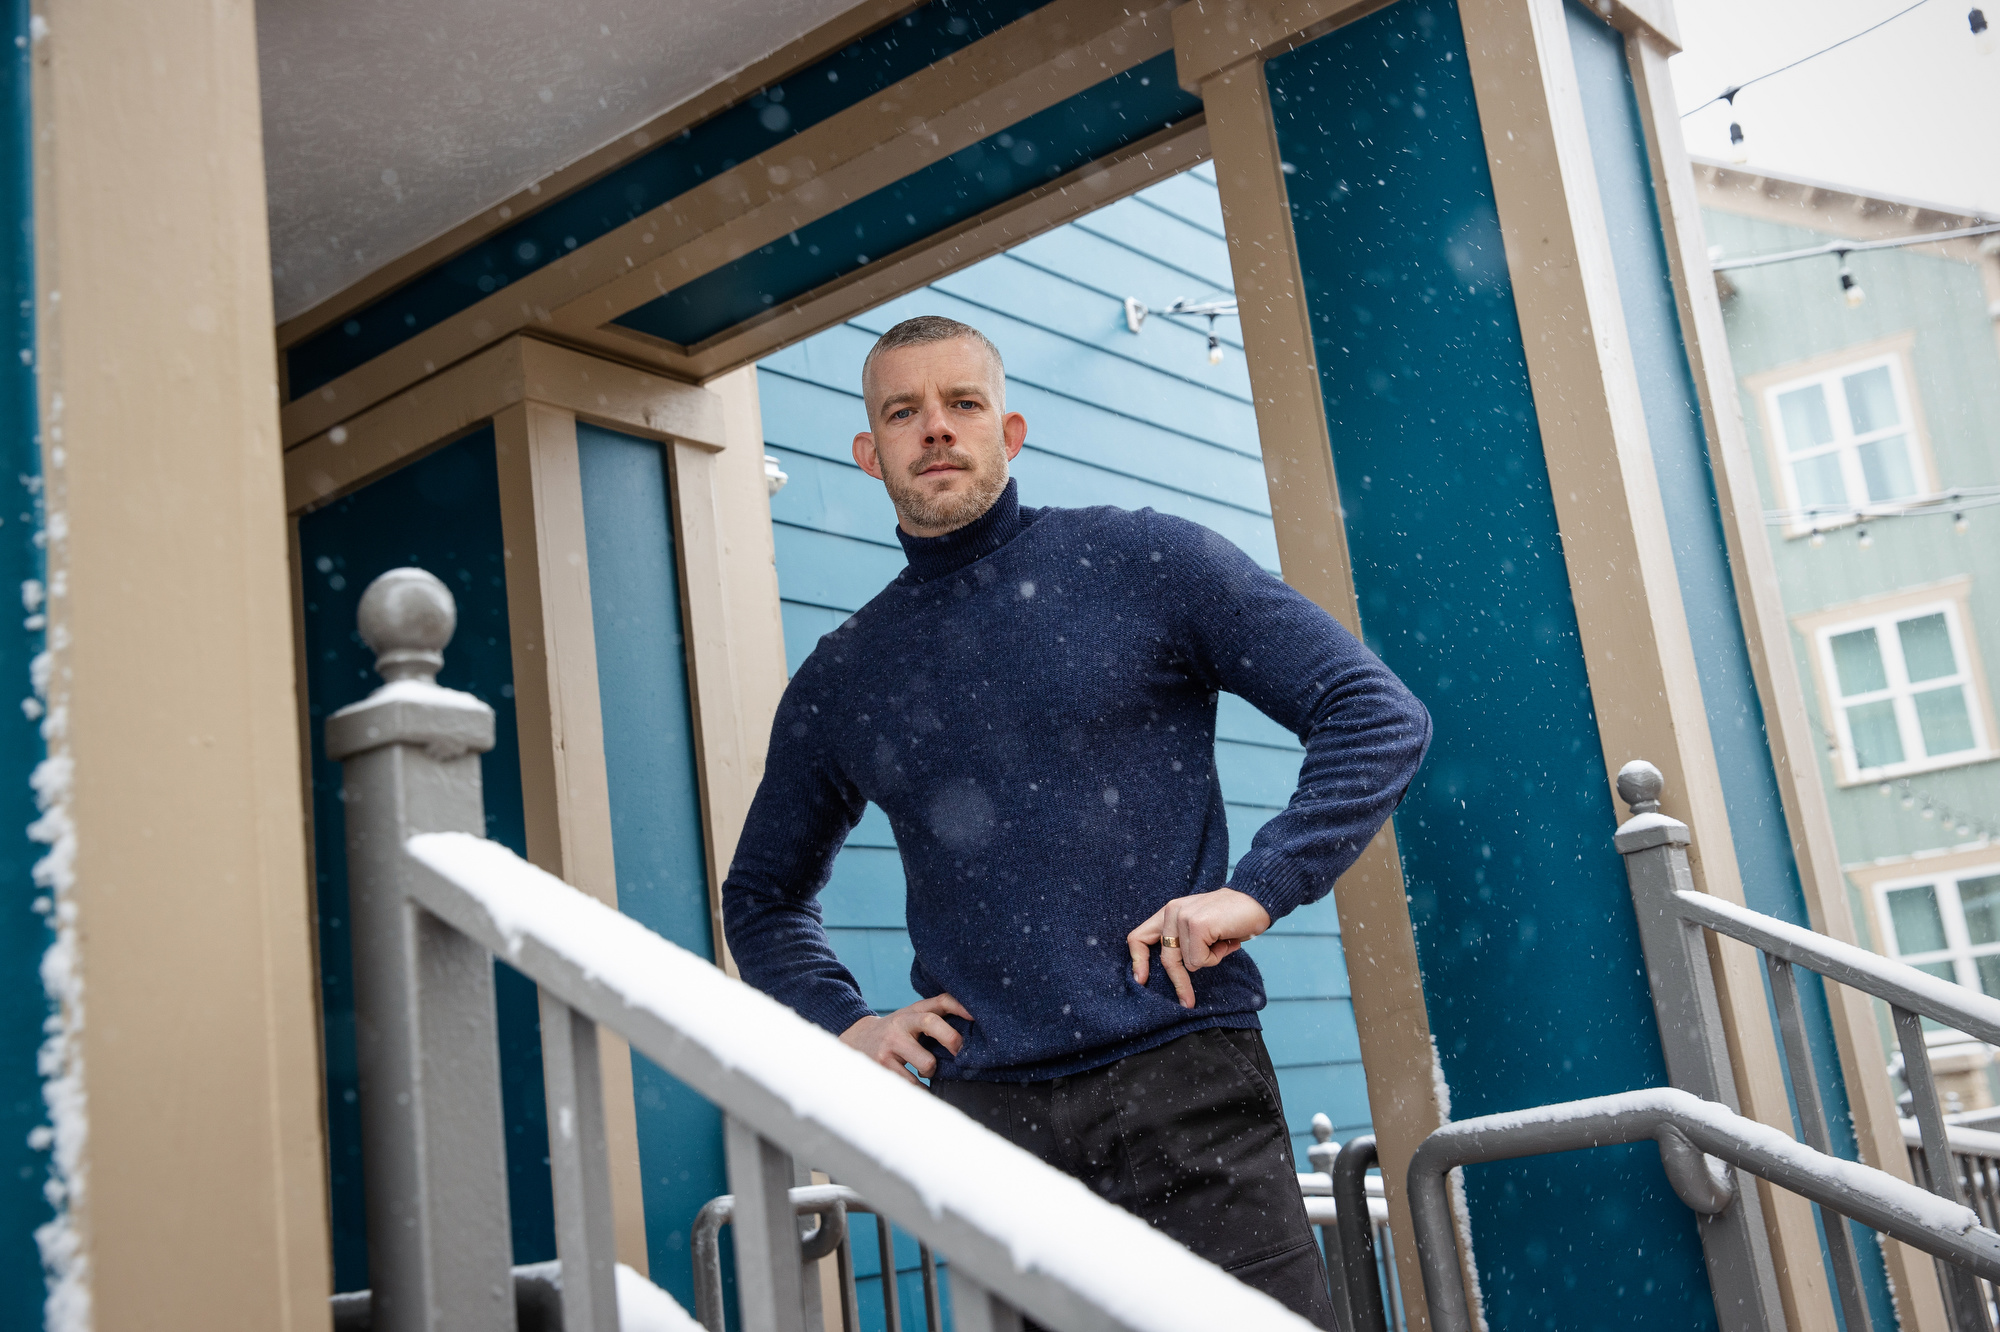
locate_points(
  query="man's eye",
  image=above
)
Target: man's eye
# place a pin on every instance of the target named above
(899, 414)
(967, 402)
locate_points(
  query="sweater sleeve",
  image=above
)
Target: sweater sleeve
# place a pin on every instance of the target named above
(1244, 631)
(800, 817)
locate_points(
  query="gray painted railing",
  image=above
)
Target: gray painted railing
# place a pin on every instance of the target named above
(1698, 1115)
(432, 902)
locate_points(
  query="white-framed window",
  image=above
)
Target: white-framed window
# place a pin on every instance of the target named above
(1846, 437)
(1901, 688)
(1947, 925)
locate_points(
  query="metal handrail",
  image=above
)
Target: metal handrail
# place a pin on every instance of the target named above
(1939, 1227)
(433, 901)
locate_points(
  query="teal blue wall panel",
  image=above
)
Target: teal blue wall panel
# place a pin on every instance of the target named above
(23, 934)
(1701, 556)
(656, 831)
(1531, 964)
(441, 513)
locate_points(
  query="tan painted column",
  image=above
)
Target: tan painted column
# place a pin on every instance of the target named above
(1643, 677)
(736, 639)
(565, 792)
(1384, 982)
(199, 1195)
(1788, 728)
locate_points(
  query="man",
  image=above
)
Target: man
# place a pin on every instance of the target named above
(1032, 704)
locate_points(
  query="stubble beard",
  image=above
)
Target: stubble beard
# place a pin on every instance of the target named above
(948, 512)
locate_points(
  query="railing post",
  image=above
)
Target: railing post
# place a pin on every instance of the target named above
(433, 1151)
(579, 1168)
(769, 1265)
(1733, 1241)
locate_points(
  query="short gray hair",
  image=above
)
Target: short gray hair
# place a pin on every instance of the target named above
(925, 329)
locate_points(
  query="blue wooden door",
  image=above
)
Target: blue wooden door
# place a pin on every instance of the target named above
(1113, 418)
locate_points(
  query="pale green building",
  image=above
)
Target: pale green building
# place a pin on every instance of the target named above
(1870, 386)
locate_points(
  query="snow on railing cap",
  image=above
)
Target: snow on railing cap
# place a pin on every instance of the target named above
(407, 616)
(1639, 786)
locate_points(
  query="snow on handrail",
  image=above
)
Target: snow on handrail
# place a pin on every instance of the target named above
(1954, 1005)
(1032, 1235)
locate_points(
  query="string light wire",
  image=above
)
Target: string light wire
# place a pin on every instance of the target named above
(1729, 94)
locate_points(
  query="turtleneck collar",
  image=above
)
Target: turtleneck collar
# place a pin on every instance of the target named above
(934, 557)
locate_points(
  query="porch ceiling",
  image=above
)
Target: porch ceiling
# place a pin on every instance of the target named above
(389, 122)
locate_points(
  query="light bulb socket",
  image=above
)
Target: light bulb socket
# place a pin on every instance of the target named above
(1863, 538)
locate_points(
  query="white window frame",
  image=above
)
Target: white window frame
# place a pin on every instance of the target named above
(1959, 950)
(1846, 443)
(1901, 691)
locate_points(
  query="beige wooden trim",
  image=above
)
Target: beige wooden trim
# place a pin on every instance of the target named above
(1644, 682)
(1008, 224)
(1383, 976)
(172, 681)
(736, 640)
(1832, 210)
(1956, 590)
(565, 793)
(831, 36)
(1788, 730)
(1027, 66)
(1869, 877)
(1215, 35)
(435, 410)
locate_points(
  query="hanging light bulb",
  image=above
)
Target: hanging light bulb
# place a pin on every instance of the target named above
(1982, 35)
(1739, 153)
(1909, 801)
(1818, 538)
(1929, 813)
(1214, 344)
(1886, 789)
(1863, 539)
(1958, 523)
(1849, 288)
(1963, 830)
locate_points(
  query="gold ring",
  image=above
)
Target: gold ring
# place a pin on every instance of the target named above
(1169, 941)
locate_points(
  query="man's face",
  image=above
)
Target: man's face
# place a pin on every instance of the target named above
(942, 437)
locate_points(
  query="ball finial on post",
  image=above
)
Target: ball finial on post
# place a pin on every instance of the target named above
(1639, 786)
(407, 616)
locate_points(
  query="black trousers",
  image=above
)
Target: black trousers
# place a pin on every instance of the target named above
(1189, 1137)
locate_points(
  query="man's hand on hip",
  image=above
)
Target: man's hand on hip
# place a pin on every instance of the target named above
(892, 1042)
(1194, 932)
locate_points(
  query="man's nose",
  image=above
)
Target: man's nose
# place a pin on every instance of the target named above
(938, 431)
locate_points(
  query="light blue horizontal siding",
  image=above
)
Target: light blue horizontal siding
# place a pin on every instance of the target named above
(1113, 418)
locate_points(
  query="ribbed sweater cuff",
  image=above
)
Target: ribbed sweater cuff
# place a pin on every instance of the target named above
(1279, 884)
(838, 1013)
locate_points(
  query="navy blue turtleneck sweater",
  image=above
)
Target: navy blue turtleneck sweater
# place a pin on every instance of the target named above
(1032, 703)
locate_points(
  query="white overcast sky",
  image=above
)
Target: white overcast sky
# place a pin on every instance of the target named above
(1912, 109)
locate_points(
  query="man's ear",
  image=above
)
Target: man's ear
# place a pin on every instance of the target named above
(1013, 431)
(868, 461)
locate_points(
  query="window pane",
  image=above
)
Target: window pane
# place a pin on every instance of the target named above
(1871, 400)
(1876, 739)
(1857, 660)
(1803, 412)
(1885, 467)
(1981, 898)
(1989, 973)
(1820, 483)
(1927, 653)
(1942, 717)
(1913, 914)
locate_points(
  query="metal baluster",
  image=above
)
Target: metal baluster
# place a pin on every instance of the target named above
(1961, 1287)
(892, 1297)
(933, 1304)
(1357, 1234)
(1812, 1119)
(977, 1309)
(1733, 1240)
(433, 1131)
(586, 1240)
(769, 1266)
(850, 1301)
